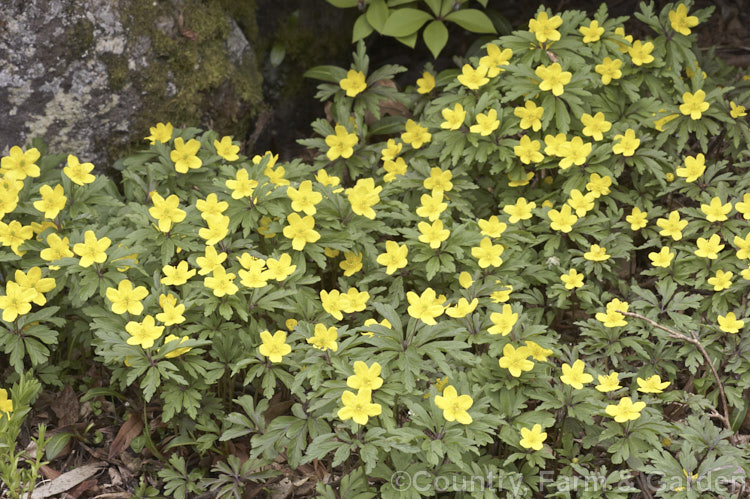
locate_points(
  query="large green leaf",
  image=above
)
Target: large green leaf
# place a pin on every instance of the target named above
(435, 37)
(473, 20)
(404, 22)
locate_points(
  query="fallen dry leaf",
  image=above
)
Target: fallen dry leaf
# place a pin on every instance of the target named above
(66, 407)
(128, 431)
(66, 481)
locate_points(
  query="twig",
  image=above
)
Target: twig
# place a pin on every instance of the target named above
(693, 338)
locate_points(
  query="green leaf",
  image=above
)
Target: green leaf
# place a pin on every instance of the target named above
(377, 14)
(362, 28)
(404, 22)
(343, 4)
(409, 41)
(334, 74)
(278, 52)
(434, 6)
(472, 20)
(435, 37)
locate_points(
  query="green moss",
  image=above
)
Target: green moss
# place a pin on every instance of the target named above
(192, 60)
(79, 38)
(117, 69)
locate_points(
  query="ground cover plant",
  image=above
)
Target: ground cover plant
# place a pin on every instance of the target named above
(526, 276)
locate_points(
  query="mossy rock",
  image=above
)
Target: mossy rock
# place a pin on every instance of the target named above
(91, 76)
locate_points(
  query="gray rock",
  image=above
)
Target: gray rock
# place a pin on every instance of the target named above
(90, 76)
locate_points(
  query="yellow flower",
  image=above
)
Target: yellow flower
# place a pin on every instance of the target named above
(672, 226)
(300, 230)
(280, 269)
(574, 152)
(365, 377)
(716, 211)
(218, 228)
(465, 280)
(609, 70)
(166, 211)
(426, 83)
(425, 307)
(170, 315)
(492, 227)
(486, 123)
(595, 125)
(572, 279)
(53, 200)
(354, 83)
(562, 220)
(57, 248)
(661, 259)
(502, 295)
(721, 281)
(612, 318)
(637, 219)
(439, 180)
(143, 333)
(652, 384)
(334, 302)
(125, 298)
(388, 153)
(210, 261)
(680, 21)
(473, 78)
(16, 301)
(363, 196)
(433, 234)
(324, 338)
(623, 46)
(20, 164)
(341, 143)
(503, 322)
(415, 134)
(221, 282)
(394, 168)
(226, 149)
(454, 118)
(211, 206)
(432, 206)
(184, 155)
(488, 254)
(354, 301)
(608, 383)
(545, 27)
(736, 111)
(177, 275)
(454, 406)
(351, 264)
(495, 59)
(598, 185)
(253, 274)
(462, 308)
(6, 404)
(515, 360)
(744, 206)
(528, 150)
(177, 351)
(627, 144)
(533, 438)
(640, 53)
(522, 181)
(694, 105)
(743, 246)
(709, 248)
(537, 352)
(553, 78)
(394, 257)
(730, 324)
(92, 250)
(592, 33)
(574, 375)
(625, 410)
(554, 143)
(274, 347)
(596, 254)
(521, 210)
(358, 407)
(304, 199)
(160, 133)
(694, 168)
(531, 116)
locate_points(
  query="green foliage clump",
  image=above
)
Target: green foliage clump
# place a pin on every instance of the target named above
(524, 276)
